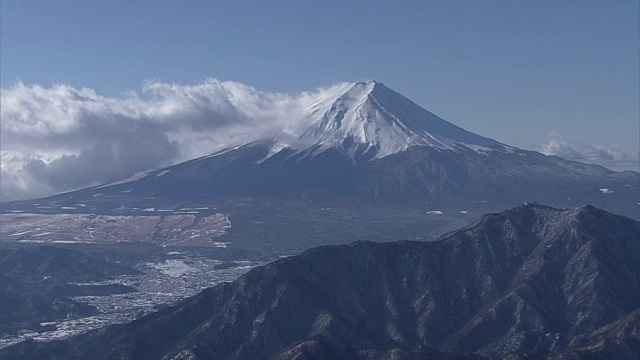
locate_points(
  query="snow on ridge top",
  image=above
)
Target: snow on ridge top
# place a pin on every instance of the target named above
(370, 117)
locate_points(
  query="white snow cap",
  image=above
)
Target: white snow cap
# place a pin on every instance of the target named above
(368, 117)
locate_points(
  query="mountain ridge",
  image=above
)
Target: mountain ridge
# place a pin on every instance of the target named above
(531, 281)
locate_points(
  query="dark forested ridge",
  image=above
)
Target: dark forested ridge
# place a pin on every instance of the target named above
(531, 281)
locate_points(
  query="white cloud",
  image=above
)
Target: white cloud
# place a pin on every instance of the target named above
(62, 138)
(610, 157)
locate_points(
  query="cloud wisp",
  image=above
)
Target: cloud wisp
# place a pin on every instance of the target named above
(62, 138)
(610, 157)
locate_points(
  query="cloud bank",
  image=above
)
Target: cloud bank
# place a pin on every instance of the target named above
(62, 138)
(610, 157)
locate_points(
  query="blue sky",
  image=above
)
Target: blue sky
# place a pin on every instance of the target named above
(511, 70)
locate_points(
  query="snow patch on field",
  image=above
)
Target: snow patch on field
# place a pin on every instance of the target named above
(164, 228)
(173, 268)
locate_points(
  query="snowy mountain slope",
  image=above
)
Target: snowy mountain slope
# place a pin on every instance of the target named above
(368, 118)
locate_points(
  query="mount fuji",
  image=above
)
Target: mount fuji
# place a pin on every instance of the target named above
(360, 154)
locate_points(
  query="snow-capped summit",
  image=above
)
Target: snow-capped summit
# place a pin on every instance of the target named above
(364, 141)
(369, 118)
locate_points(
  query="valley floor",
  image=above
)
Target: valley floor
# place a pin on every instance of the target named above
(183, 273)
